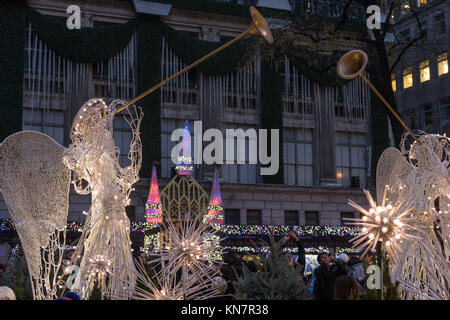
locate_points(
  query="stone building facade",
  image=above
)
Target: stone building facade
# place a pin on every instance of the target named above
(327, 152)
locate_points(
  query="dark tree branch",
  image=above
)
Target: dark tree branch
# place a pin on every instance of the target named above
(410, 44)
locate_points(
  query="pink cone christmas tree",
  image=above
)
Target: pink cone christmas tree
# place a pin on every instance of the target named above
(215, 208)
(153, 207)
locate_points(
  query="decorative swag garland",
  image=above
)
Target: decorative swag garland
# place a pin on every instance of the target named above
(88, 45)
(92, 45)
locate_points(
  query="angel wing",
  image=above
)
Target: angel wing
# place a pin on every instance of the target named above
(392, 173)
(35, 185)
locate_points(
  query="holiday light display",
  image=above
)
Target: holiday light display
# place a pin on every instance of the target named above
(215, 208)
(93, 158)
(185, 167)
(153, 207)
(382, 223)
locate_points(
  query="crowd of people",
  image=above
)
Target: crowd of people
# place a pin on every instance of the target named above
(335, 278)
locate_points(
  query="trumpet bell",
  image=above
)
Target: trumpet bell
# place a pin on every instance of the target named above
(259, 25)
(352, 64)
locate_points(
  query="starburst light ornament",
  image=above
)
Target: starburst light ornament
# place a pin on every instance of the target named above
(385, 223)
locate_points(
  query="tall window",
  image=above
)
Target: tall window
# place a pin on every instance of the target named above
(407, 77)
(232, 216)
(423, 25)
(421, 2)
(345, 215)
(253, 217)
(410, 118)
(424, 67)
(351, 159)
(312, 218)
(298, 156)
(442, 63)
(394, 81)
(439, 25)
(427, 115)
(444, 106)
(291, 218)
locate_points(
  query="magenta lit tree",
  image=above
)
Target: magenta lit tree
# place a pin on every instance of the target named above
(215, 208)
(153, 207)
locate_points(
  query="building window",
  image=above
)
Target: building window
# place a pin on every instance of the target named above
(345, 215)
(253, 217)
(423, 25)
(439, 25)
(424, 67)
(410, 118)
(131, 212)
(232, 216)
(394, 81)
(421, 2)
(312, 218)
(407, 77)
(291, 218)
(444, 106)
(442, 63)
(427, 115)
(351, 159)
(298, 156)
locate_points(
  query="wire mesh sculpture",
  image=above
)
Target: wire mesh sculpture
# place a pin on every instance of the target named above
(419, 177)
(182, 268)
(35, 185)
(94, 160)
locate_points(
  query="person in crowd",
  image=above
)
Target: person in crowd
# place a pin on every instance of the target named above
(6, 293)
(292, 235)
(5, 251)
(346, 288)
(339, 266)
(357, 272)
(69, 296)
(251, 266)
(322, 278)
(231, 270)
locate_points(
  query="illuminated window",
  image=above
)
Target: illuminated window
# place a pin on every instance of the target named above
(421, 2)
(424, 67)
(407, 77)
(442, 64)
(394, 82)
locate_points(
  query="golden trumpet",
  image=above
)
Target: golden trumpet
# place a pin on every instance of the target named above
(259, 26)
(351, 65)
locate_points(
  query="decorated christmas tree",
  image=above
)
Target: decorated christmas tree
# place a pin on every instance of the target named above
(153, 207)
(185, 167)
(215, 208)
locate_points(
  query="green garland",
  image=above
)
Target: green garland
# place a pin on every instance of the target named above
(190, 49)
(12, 41)
(232, 9)
(88, 45)
(149, 31)
(272, 112)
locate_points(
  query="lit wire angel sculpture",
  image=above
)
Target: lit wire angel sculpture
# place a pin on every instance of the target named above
(418, 177)
(35, 185)
(182, 269)
(94, 160)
